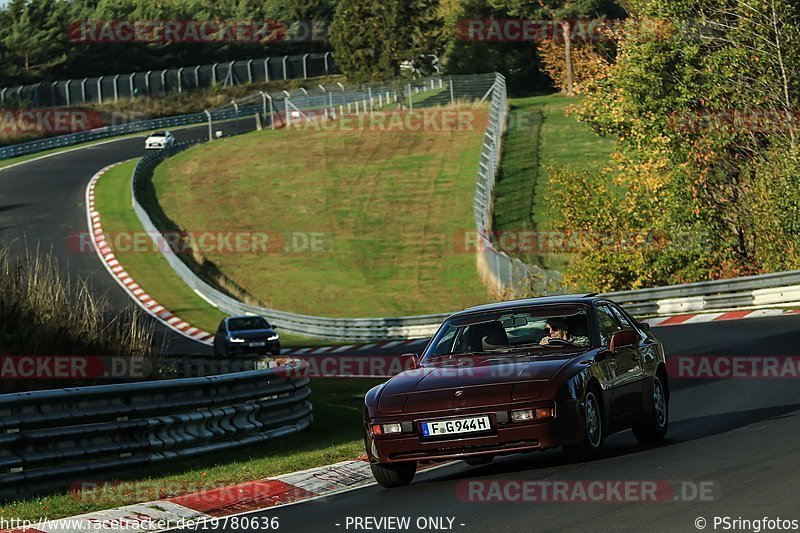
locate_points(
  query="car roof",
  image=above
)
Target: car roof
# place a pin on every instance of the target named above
(528, 302)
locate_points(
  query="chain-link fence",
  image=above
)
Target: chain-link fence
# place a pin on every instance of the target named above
(505, 276)
(159, 82)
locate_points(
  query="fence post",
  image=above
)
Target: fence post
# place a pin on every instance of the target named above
(305, 66)
(325, 59)
(100, 90)
(83, 90)
(116, 88)
(285, 58)
(197, 77)
(180, 80)
(214, 74)
(264, 98)
(452, 95)
(3, 96)
(410, 98)
(69, 96)
(132, 83)
(250, 71)
(164, 81)
(235, 107)
(266, 70)
(210, 128)
(147, 82)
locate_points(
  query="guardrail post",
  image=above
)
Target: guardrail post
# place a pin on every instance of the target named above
(100, 90)
(235, 107)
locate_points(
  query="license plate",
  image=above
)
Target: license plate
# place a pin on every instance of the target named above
(257, 344)
(455, 426)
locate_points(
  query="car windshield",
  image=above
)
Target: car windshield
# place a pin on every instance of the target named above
(244, 323)
(543, 328)
(158, 134)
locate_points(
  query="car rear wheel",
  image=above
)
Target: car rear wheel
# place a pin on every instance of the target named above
(479, 460)
(594, 432)
(655, 429)
(392, 475)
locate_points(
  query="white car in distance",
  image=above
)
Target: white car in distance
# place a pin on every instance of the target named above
(159, 140)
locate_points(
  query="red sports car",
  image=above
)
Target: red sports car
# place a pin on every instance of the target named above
(519, 376)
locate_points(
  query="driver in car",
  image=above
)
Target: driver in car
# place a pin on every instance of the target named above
(558, 330)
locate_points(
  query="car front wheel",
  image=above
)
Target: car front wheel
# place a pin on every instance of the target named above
(391, 475)
(593, 428)
(655, 429)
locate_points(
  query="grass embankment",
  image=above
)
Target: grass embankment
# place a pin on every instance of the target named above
(335, 435)
(388, 208)
(148, 266)
(540, 134)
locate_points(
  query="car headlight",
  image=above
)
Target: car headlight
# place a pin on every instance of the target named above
(523, 415)
(235, 339)
(273, 337)
(392, 429)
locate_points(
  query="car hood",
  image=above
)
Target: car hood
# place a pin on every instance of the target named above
(253, 333)
(481, 382)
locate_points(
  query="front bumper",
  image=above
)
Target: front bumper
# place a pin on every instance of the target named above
(273, 347)
(510, 437)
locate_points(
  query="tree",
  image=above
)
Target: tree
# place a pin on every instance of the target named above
(33, 38)
(371, 38)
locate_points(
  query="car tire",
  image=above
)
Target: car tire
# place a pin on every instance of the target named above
(655, 429)
(391, 475)
(594, 428)
(479, 460)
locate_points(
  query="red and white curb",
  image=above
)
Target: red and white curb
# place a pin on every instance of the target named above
(112, 264)
(698, 318)
(193, 509)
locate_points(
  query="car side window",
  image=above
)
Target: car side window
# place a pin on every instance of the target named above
(621, 318)
(608, 324)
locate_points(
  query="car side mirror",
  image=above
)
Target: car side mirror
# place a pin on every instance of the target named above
(622, 339)
(644, 325)
(410, 361)
(273, 326)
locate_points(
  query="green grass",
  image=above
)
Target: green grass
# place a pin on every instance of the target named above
(391, 206)
(335, 435)
(148, 267)
(540, 134)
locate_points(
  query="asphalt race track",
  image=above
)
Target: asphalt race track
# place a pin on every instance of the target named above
(42, 203)
(739, 436)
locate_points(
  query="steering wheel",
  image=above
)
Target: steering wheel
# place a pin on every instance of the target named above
(558, 342)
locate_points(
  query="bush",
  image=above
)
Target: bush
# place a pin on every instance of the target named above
(43, 313)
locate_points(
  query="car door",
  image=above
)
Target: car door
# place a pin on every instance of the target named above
(626, 395)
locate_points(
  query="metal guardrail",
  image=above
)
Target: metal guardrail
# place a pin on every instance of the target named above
(159, 82)
(770, 289)
(52, 438)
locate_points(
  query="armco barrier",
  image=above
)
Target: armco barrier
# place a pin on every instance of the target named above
(51, 438)
(765, 290)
